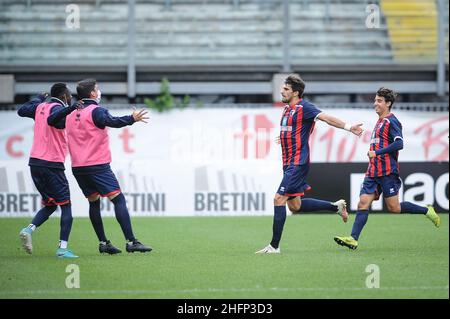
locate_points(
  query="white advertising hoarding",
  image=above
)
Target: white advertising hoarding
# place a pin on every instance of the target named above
(207, 161)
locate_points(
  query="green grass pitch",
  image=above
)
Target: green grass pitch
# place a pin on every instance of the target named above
(213, 257)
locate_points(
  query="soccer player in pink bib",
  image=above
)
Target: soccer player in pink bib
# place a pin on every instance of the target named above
(88, 139)
(46, 163)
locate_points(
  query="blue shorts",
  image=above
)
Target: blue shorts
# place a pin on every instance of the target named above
(104, 184)
(389, 185)
(294, 181)
(52, 184)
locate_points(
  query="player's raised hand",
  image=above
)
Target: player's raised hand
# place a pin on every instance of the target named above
(44, 95)
(79, 104)
(140, 116)
(278, 140)
(357, 129)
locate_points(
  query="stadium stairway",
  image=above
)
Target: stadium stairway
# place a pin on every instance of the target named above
(413, 29)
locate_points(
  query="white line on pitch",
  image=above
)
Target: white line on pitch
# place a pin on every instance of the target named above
(201, 290)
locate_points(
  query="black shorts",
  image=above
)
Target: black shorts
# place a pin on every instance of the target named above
(52, 184)
(104, 184)
(294, 181)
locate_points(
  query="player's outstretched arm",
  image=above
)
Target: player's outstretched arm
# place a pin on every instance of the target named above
(58, 114)
(334, 121)
(102, 118)
(29, 109)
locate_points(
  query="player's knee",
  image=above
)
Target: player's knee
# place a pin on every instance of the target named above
(294, 208)
(393, 208)
(52, 208)
(363, 205)
(279, 200)
(94, 198)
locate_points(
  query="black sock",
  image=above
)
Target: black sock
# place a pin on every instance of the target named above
(123, 217)
(42, 215)
(96, 220)
(66, 222)
(279, 218)
(360, 221)
(410, 208)
(313, 205)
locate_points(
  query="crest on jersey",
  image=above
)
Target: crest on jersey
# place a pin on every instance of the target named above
(380, 125)
(292, 112)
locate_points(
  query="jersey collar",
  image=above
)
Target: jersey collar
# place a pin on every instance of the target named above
(294, 106)
(89, 101)
(382, 118)
(55, 99)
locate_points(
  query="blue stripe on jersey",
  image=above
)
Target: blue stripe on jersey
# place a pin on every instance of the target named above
(384, 133)
(297, 124)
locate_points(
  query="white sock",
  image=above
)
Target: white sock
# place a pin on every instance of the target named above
(103, 243)
(63, 244)
(32, 227)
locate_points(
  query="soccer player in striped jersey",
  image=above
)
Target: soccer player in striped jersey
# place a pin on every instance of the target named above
(382, 175)
(297, 123)
(47, 164)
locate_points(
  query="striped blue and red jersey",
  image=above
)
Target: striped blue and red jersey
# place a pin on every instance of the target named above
(386, 131)
(297, 124)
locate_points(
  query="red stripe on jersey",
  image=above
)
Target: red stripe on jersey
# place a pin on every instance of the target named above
(377, 147)
(372, 165)
(313, 125)
(283, 137)
(371, 168)
(298, 132)
(387, 158)
(289, 138)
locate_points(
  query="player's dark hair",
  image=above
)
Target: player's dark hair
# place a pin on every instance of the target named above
(388, 94)
(59, 90)
(85, 87)
(296, 83)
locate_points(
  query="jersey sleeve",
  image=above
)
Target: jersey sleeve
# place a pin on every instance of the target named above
(395, 130)
(29, 109)
(57, 117)
(310, 111)
(102, 118)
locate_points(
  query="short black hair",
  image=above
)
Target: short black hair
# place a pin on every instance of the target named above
(296, 83)
(59, 90)
(388, 94)
(85, 87)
